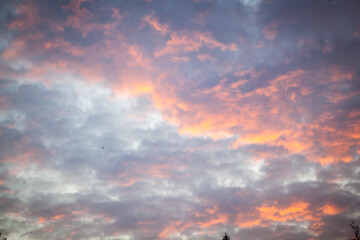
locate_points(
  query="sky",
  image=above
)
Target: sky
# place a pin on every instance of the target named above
(141, 120)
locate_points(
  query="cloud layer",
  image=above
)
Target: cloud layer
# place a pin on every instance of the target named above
(179, 120)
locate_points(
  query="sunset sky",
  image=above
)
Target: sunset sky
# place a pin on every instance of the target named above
(181, 120)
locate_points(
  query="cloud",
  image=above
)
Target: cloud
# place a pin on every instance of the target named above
(234, 116)
(183, 42)
(270, 31)
(154, 22)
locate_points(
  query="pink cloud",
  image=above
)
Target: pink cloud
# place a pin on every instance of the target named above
(270, 30)
(269, 124)
(154, 23)
(264, 116)
(206, 57)
(184, 42)
(82, 19)
(31, 13)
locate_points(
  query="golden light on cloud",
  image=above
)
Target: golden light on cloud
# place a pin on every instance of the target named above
(178, 120)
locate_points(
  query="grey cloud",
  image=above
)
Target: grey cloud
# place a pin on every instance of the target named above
(148, 176)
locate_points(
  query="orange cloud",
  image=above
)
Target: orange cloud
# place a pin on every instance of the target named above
(331, 209)
(42, 220)
(297, 211)
(203, 220)
(272, 114)
(57, 217)
(209, 217)
(269, 115)
(221, 218)
(173, 228)
(248, 223)
(183, 42)
(218, 218)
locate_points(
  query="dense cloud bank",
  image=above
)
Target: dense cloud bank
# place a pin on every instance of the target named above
(179, 119)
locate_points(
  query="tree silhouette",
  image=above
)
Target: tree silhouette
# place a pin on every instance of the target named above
(356, 231)
(225, 237)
